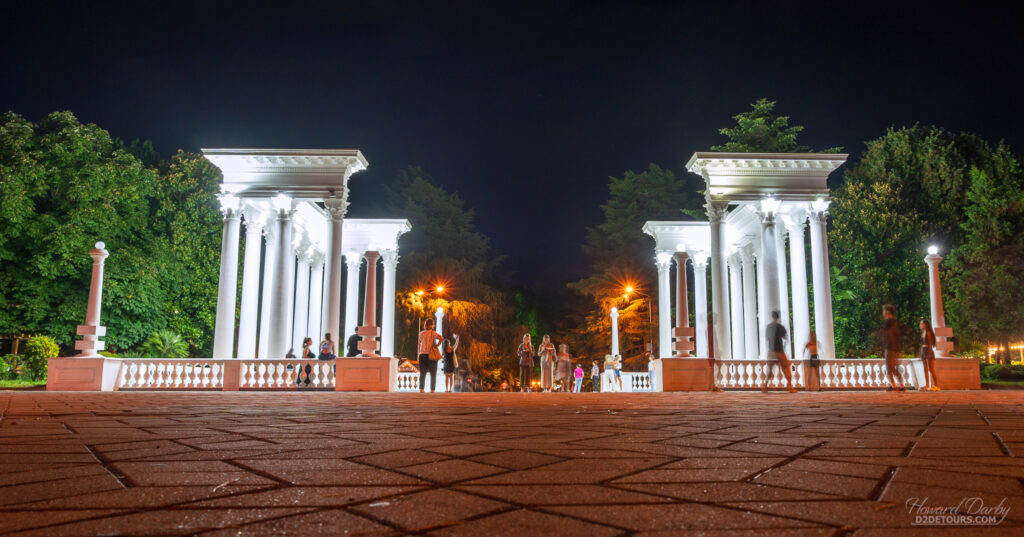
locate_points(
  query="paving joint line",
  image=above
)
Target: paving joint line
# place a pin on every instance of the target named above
(105, 463)
(784, 462)
(1002, 445)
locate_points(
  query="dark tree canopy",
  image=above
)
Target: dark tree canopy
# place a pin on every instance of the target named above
(760, 130)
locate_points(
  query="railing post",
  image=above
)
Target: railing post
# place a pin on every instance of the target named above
(232, 375)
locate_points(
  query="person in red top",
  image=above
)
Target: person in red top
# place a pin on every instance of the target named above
(428, 340)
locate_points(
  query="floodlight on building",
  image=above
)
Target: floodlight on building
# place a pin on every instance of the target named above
(933, 250)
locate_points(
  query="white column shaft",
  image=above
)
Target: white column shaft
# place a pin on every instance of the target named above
(780, 257)
(822, 292)
(314, 325)
(336, 209)
(351, 298)
(700, 307)
(267, 292)
(719, 280)
(739, 350)
(615, 333)
(762, 313)
(388, 299)
(798, 273)
(300, 315)
(750, 330)
(224, 329)
(249, 308)
(284, 273)
(664, 308)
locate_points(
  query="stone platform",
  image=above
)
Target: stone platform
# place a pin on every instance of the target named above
(814, 464)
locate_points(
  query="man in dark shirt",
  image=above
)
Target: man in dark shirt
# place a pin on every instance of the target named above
(776, 335)
(891, 347)
(352, 345)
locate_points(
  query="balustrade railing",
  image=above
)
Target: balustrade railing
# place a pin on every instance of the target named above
(409, 381)
(751, 374)
(286, 374)
(862, 374)
(156, 373)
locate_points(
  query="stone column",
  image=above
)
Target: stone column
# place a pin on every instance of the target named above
(249, 309)
(352, 260)
(91, 331)
(370, 301)
(780, 250)
(284, 267)
(336, 208)
(387, 337)
(750, 330)
(439, 328)
(935, 292)
(615, 332)
(717, 211)
(798, 273)
(773, 300)
(300, 314)
(267, 293)
(739, 351)
(664, 262)
(700, 303)
(762, 311)
(822, 288)
(682, 305)
(224, 329)
(315, 324)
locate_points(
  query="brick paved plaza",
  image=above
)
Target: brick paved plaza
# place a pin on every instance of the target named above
(505, 464)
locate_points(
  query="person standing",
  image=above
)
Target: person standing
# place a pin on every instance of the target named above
(426, 348)
(928, 356)
(353, 345)
(595, 377)
(814, 371)
(651, 366)
(578, 375)
(564, 368)
(776, 336)
(617, 369)
(525, 353)
(891, 347)
(451, 362)
(327, 348)
(546, 351)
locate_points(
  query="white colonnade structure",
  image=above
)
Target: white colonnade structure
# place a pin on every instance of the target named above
(293, 203)
(754, 201)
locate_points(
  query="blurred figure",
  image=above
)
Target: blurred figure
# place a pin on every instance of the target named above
(525, 353)
(931, 382)
(891, 347)
(776, 335)
(451, 362)
(595, 377)
(546, 351)
(564, 368)
(651, 366)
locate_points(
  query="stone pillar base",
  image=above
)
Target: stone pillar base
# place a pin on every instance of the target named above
(83, 374)
(686, 375)
(957, 374)
(366, 375)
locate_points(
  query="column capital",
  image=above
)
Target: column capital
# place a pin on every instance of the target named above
(700, 260)
(316, 259)
(371, 256)
(337, 206)
(302, 247)
(680, 258)
(819, 211)
(717, 210)
(663, 260)
(389, 258)
(99, 252)
(734, 260)
(352, 259)
(933, 259)
(255, 219)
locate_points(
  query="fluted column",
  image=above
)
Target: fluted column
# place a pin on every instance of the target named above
(387, 338)
(615, 331)
(300, 314)
(249, 309)
(739, 351)
(750, 331)
(224, 329)
(682, 305)
(352, 261)
(284, 267)
(370, 301)
(717, 211)
(700, 303)
(780, 259)
(336, 208)
(316, 293)
(664, 263)
(822, 288)
(798, 273)
(267, 292)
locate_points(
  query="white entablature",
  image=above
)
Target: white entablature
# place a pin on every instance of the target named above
(671, 237)
(299, 173)
(376, 234)
(753, 176)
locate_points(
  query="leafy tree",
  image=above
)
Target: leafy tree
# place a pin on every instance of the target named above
(907, 191)
(621, 255)
(165, 344)
(66, 185)
(986, 298)
(760, 130)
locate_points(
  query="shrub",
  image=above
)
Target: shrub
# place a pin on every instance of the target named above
(165, 344)
(38, 351)
(1003, 372)
(8, 365)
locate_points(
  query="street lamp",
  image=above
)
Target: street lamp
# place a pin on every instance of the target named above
(942, 332)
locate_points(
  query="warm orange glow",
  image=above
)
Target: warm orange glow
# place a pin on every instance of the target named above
(629, 289)
(419, 292)
(439, 288)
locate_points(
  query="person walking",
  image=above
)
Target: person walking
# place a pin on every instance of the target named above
(578, 375)
(451, 362)
(564, 368)
(891, 347)
(546, 351)
(352, 345)
(327, 348)
(776, 336)
(595, 377)
(426, 348)
(525, 353)
(928, 356)
(651, 367)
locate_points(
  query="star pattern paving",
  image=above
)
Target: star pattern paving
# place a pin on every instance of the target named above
(735, 463)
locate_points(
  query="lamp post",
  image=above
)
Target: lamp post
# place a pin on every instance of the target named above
(942, 332)
(91, 331)
(615, 332)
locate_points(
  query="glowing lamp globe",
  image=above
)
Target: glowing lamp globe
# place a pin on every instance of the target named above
(933, 250)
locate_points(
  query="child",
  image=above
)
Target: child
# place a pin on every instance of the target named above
(578, 374)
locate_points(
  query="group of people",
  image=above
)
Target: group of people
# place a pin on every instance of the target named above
(327, 348)
(431, 348)
(557, 371)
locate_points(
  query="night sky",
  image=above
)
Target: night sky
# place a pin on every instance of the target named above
(523, 109)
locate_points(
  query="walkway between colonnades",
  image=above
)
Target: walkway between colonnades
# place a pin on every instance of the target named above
(503, 464)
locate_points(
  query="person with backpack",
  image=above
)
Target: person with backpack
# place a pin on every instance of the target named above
(429, 354)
